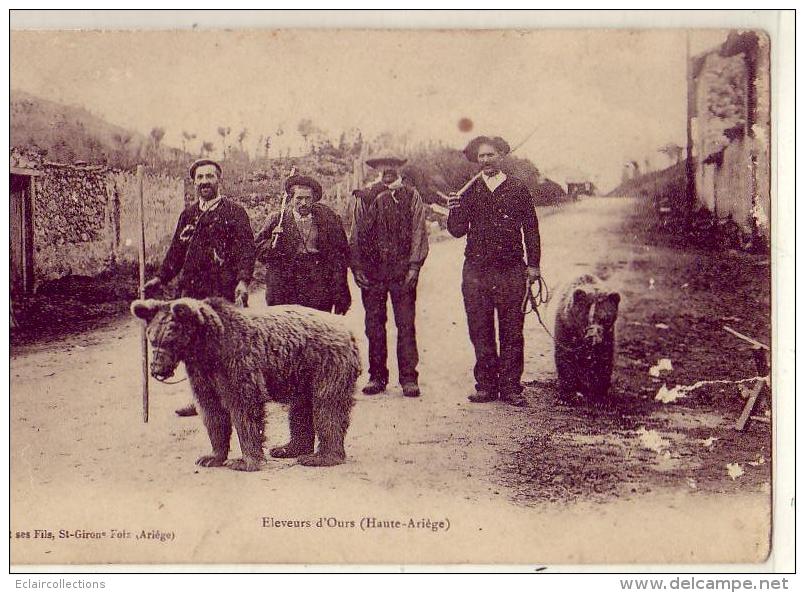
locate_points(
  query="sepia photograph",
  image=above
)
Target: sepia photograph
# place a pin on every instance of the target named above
(381, 296)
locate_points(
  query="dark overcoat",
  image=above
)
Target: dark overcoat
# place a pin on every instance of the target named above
(211, 251)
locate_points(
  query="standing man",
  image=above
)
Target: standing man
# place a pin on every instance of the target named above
(212, 251)
(497, 215)
(389, 246)
(308, 264)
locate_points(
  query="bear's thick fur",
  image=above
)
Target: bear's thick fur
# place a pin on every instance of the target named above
(237, 361)
(584, 331)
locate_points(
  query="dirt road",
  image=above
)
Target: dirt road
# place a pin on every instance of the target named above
(548, 484)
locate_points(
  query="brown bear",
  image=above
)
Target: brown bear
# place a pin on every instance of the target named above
(237, 361)
(584, 332)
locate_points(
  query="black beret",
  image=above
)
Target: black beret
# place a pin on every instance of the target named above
(471, 152)
(305, 181)
(199, 162)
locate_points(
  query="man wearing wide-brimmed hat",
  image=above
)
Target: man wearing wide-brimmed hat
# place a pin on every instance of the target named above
(212, 251)
(307, 264)
(389, 246)
(497, 215)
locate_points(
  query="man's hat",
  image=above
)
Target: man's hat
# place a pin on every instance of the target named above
(386, 159)
(200, 162)
(471, 152)
(305, 181)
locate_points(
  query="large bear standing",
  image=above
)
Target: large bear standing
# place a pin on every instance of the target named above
(237, 361)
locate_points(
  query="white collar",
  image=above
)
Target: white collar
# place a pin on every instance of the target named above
(206, 206)
(396, 184)
(499, 176)
(297, 217)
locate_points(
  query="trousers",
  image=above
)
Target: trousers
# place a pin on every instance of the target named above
(403, 302)
(489, 290)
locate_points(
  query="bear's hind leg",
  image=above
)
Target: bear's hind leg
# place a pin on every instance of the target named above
(300, 419)
(331, 421)
(249, 421)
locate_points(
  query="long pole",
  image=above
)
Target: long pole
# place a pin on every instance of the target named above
(143, 336)
(275, 235)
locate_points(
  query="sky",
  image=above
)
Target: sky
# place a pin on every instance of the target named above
(596, 98)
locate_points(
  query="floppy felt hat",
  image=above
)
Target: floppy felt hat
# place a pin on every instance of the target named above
(196, 164)
(471, 152)
(385, 159)
(305, 181)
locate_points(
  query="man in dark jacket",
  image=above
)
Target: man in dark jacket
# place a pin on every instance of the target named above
(212, 251)
(307, 263)
(497, 215)
(389, 246)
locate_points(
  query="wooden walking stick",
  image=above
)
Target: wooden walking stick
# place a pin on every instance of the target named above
(275, 234)
(143, 336)
(478, 174)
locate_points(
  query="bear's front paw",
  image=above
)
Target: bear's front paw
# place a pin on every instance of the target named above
(243, 465)
(210, 461)
(320, 460)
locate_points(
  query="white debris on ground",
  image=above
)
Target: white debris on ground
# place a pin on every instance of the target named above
(668, 396)
(663, 364)
(709, 442)
(692, 484)
(653, 441)
(734, 470)
(651, 284)
(661, 325)
(759, 461)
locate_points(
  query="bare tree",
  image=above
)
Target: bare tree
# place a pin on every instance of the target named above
(241, 137)
(157, 134)
(223, 133)
(206, 148)
(305, 128)
(186, 137)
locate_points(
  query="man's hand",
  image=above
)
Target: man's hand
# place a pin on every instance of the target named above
(453, 200)
(341, 307)
(242, 294)
(411, 278)
(361, 279)
(532, 273)
(150, 287)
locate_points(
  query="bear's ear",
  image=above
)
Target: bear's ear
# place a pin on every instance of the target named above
(197, 312)
(614, 298)
(182, 310)
(579, 296)
(146, 308)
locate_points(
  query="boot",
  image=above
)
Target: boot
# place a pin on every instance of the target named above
(374, 386)
(514, 399)
(411, 389)
(483, 396)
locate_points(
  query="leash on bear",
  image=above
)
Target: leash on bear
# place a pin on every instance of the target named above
(532, 302)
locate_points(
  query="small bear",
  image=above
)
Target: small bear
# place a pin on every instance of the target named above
(584, 333)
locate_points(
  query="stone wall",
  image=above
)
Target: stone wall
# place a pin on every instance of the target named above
(731, 132)
(72, 215)
(86, 219)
